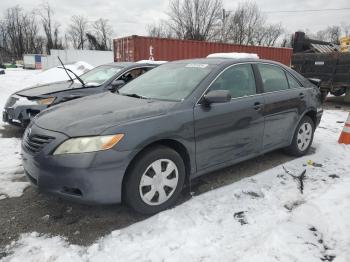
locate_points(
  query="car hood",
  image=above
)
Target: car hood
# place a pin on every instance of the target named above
(93, 114)
(48, 89)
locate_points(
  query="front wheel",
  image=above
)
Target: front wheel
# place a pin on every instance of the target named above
(302, 138)
(155, 180)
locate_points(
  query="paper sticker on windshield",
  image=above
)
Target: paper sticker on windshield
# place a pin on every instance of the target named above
(197, 65)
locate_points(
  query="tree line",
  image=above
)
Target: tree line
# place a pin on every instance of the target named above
(207, 20)
(37, 32)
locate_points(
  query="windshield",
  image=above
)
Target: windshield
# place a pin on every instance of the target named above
(171, 81)
(99, 75)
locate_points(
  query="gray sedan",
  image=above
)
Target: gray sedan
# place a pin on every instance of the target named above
(177, 122)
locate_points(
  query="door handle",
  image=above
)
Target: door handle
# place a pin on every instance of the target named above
(258, 106)
(301, 95)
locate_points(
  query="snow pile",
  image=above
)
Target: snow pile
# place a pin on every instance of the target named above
(264, 218)
(233, 55)
(12, 180)
(58, 73)
(151, 62)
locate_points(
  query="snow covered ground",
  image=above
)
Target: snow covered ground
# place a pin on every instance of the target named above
(265, 218)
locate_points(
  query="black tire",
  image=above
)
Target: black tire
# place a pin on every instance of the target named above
(339, 91)
(294, 149)
(131, 190)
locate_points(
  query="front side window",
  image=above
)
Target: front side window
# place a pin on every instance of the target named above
(99, 75)
(273, 77)
(133, 74)
(172, 81)
(239, 80)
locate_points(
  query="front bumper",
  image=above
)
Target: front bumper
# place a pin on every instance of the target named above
(89, 177)
(20, 115)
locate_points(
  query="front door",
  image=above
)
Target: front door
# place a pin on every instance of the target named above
(231, 131)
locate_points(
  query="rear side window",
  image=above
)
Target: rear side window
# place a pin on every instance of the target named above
(238, 80)
(292, 82)
(273, 77)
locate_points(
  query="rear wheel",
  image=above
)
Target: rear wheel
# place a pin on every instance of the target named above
(302, 138)
(155, 180)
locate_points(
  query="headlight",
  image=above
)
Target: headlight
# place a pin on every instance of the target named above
(46, 101)
(88, 144)
(24, 101)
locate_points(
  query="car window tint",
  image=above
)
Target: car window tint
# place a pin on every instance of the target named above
(238, 80)
(292, 82)
(273, 77)
(99, 74)
(132, 74)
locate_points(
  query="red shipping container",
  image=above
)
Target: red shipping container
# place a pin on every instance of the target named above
(135, 48)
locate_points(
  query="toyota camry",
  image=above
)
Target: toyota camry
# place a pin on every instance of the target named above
(140, 145)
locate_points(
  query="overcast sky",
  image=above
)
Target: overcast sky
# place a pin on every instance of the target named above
(130, 17)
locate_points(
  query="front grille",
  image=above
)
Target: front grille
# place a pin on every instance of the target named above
(34, 143)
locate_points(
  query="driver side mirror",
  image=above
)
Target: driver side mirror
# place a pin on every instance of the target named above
(315, 81)
(217, 96)
(116, 84)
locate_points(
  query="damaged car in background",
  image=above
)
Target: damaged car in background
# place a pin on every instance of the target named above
(22, 106)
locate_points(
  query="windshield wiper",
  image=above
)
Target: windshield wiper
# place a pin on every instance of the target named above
(134, 95)
(66, 69)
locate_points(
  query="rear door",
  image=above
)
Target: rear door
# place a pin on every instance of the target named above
(285, 102)
(231, 131)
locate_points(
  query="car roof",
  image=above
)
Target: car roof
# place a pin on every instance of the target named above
(222, 61)
(130, 64)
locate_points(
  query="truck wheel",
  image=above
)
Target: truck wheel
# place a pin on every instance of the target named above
(339, 91)
(303, 137)
(155, 180)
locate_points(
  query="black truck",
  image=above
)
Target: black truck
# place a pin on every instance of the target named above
(322, 60)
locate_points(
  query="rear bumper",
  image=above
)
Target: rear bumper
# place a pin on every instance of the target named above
(94, 178)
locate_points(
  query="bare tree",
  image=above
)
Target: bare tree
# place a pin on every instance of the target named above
(330, 34)
(102, 32)
(162, 29)
(33, 43)
(334, 33)
(77, 31)
(19, 33)
(246, 23)
(346, 28)
(272, 33)
(51, 28)
(195, 19)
